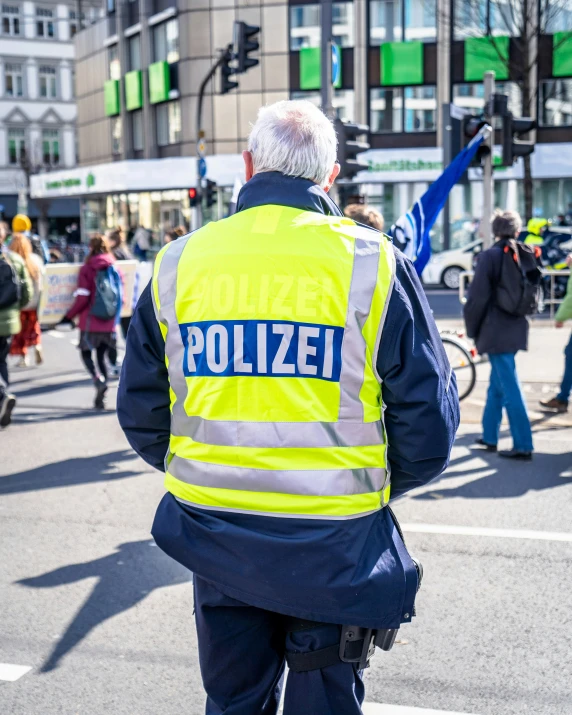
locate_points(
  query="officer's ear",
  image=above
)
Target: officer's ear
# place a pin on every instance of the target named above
(332, 177)
(248, 165)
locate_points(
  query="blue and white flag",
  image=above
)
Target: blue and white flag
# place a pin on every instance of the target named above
(411, 232)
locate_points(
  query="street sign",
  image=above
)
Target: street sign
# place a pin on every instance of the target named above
(201, 147)
(202, 167)
(336, 64)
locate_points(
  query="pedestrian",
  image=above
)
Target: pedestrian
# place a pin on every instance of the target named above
(366, 215)
(564, 313)
(119, 246)
(15, 292)
(271, 333)
(30, 335)
(173, 235)
(97, 303)
(141, 242)
(500, 335)
(74, 234)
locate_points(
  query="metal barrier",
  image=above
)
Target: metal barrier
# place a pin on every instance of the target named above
(465, 277)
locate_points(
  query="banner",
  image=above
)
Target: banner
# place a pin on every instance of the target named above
(60, 282)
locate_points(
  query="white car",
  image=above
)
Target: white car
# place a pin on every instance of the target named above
(445, 268)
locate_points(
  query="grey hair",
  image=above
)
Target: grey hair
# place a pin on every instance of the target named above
(295, 138)
(506, 223)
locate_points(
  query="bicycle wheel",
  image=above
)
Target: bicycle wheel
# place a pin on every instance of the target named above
(463, 365)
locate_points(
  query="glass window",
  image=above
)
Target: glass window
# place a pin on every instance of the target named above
(50, 147)
(116, 135)
(421, 20)
(396, 20)
(555, 103)
(13, 79)
(472, 18)
(168, 123)
(166, 41)
(45, 26)
(472, 96)
(557, 17)
(10, 20)
(114, 63)
(305, 28)
(134, 45)
(137, 130)
(420, 109)
(16, 144)
(48, 82)
(386, 110)
(342, 101)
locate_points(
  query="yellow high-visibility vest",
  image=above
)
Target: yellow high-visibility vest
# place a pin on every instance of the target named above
(272, 320)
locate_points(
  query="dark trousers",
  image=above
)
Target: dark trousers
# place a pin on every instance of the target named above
(242, 658)
(87, 358)
(566, 386)
(5, 341)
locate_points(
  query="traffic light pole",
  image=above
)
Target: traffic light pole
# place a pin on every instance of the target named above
(488, 181)
(327, 89)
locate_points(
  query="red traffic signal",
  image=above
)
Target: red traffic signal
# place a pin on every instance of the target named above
(194, 197)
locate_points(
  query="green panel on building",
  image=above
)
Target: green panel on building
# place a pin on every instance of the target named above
(159, 82)
(562, 54)
(311, 68)
(486, 54)
(133, 90)
(111, 96)
(401, 63)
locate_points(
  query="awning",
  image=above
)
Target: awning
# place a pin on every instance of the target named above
(57, 208)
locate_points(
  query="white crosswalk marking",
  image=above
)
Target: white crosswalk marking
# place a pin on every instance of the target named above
(11, 672)
(380, 709)
(482, 531)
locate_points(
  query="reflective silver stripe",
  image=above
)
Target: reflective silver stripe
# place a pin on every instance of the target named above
(384, 314)
(362, 288)
(319, 482)
(277, 434)
(277, 515)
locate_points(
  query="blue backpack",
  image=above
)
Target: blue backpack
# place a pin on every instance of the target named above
(108, 297)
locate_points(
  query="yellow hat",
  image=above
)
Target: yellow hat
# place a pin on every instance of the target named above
(21, 223)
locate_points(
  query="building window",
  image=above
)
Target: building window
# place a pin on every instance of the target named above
(75, 25)
(398, 20)
(44, 22)
(137, 130)
(386, 110)
(420, 109)
(166, 41)
(472, 97)
(114, 63)
(13, 79)
(168, 123)
(557, 17)
(116, 135)
(10, 20)
(16, 145)
(481, 18)
(555, 103)
(50, 147)
(342, 101)
(48, 82)
(134, 46)
(305, 25)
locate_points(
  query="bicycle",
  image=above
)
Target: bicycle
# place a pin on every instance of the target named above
(461, 359)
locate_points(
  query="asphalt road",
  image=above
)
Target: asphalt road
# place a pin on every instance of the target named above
(103, 620)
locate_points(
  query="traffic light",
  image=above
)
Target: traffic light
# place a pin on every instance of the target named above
(226, 71)
(512, 128)
(193, 197)
(349, 148)
(210, 193)
(472, 125)
(244, 43)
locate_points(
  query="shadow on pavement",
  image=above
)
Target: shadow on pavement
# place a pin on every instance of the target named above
(69, 472)
(125, 578)
(52, 387)
(42, 414)
(509, 478)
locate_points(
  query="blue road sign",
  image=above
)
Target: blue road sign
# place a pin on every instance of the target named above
(202, 167)
(336, 64)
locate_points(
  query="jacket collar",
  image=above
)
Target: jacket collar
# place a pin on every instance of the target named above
(271, 187)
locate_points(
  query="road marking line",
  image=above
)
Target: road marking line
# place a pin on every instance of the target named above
(481, 531)
(12, 673)
(379, 709)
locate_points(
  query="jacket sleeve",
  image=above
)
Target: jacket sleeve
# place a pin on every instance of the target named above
(143, 402)
(564, 311)
(480, 296)
(421, 405)
(28, 285)
(85, 287)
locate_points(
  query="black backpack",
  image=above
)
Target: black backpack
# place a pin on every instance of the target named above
(10, 285)
(519, 288)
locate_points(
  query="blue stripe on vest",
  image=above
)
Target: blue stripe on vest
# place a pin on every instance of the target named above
(269, 348)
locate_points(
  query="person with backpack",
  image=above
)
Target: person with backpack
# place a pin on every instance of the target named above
(15, 292)
(98, 301)
(503, 292)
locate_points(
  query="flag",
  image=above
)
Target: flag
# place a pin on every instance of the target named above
(411, 232)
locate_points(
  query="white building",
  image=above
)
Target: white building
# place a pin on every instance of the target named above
(37, 104)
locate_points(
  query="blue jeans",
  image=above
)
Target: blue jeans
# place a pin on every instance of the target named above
(505, 391)
(566, 386)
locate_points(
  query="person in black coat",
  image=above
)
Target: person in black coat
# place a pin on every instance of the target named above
(500, 335)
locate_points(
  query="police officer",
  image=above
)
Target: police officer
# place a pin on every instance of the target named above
(284, 370)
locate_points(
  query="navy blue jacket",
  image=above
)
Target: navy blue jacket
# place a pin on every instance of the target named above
(352, 571)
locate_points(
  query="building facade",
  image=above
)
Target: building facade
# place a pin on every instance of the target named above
(37, 103)
(139, 72)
